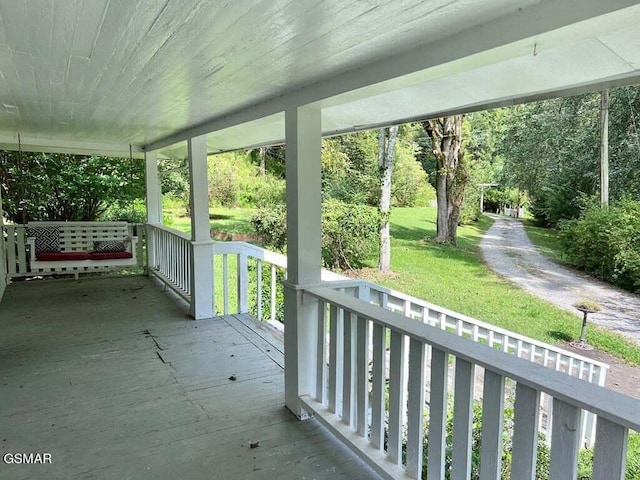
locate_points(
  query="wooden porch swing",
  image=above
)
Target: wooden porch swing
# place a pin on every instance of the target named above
(70, 247)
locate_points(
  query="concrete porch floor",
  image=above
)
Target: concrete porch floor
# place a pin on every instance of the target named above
(112, 378)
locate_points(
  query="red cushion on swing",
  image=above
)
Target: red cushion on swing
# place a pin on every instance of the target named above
(61, 256)
(109, 255)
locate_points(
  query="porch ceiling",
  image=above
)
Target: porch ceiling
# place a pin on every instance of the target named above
(97, 75)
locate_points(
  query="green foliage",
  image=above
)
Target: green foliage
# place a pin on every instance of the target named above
(605, 241)
(349, 232)
(543, 454)
(270, 223)
(543, 458)
(481, 133)
(409, 183)
(223, 181)
(136, 212)
(267, 191)
(274, 159)
(265, 293)
(236, 182)
(67, 187)
(585, 460)
(350, 170)
(552, 151)
(485, 296)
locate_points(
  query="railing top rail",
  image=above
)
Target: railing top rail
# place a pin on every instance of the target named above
(613, 406)
(260, 253)
(78, 222)
(173, 231)
(479, 323)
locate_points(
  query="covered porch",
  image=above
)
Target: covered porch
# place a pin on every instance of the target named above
(114, 380)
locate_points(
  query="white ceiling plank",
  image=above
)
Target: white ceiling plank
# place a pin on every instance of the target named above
(524, 24)
(152, 73)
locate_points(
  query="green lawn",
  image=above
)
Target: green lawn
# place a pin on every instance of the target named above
(456, 278)
(545, 239)
(228, 220)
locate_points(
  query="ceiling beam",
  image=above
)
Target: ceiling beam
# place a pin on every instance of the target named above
(497, 40)
(48, 145)
(589, 87)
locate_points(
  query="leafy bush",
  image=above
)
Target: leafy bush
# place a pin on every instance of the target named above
(265, 293)
(605, 241)
(543, 460)
(349, 232)
(270, 223)
(262, 191)
(135, 212)
(410, 185)
(543, 454)
(236, 182)
(223, 183)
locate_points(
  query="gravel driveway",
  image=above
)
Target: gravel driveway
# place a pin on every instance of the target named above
(508, 251)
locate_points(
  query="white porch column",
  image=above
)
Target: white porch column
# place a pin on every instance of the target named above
(303, 174)
(154, 203)
(201, 250)
(154, 191)
(3, 260)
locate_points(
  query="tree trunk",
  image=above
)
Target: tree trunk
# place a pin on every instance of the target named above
(386, 151)
(262, 153)
(451, 176)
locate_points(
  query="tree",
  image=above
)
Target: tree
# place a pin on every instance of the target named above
(41, 186)
(386, 149)
(451, 174)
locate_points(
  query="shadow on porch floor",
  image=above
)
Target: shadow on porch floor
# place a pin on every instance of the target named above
(112, 378)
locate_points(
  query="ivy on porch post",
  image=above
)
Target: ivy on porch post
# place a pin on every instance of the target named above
(201, 251)
(303, 175)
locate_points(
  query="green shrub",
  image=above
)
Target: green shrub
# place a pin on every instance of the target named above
(270, 223)
(410, 185)
(223, 183)
(543, 460)
(543, 454)
(605, 241)
(262, 191)
(349, 232)
(135, 212)
(585, 460)
(265, 293)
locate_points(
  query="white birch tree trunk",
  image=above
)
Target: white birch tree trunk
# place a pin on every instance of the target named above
(386, 152)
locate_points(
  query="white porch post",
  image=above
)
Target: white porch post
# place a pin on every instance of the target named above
(3, 260)
(154, 192)
(154, 203)
(303, 174)
(201, 251)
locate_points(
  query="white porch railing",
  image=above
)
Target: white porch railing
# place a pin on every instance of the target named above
(353, 370)
(169, 257)
(237, 257)
(248, 280)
